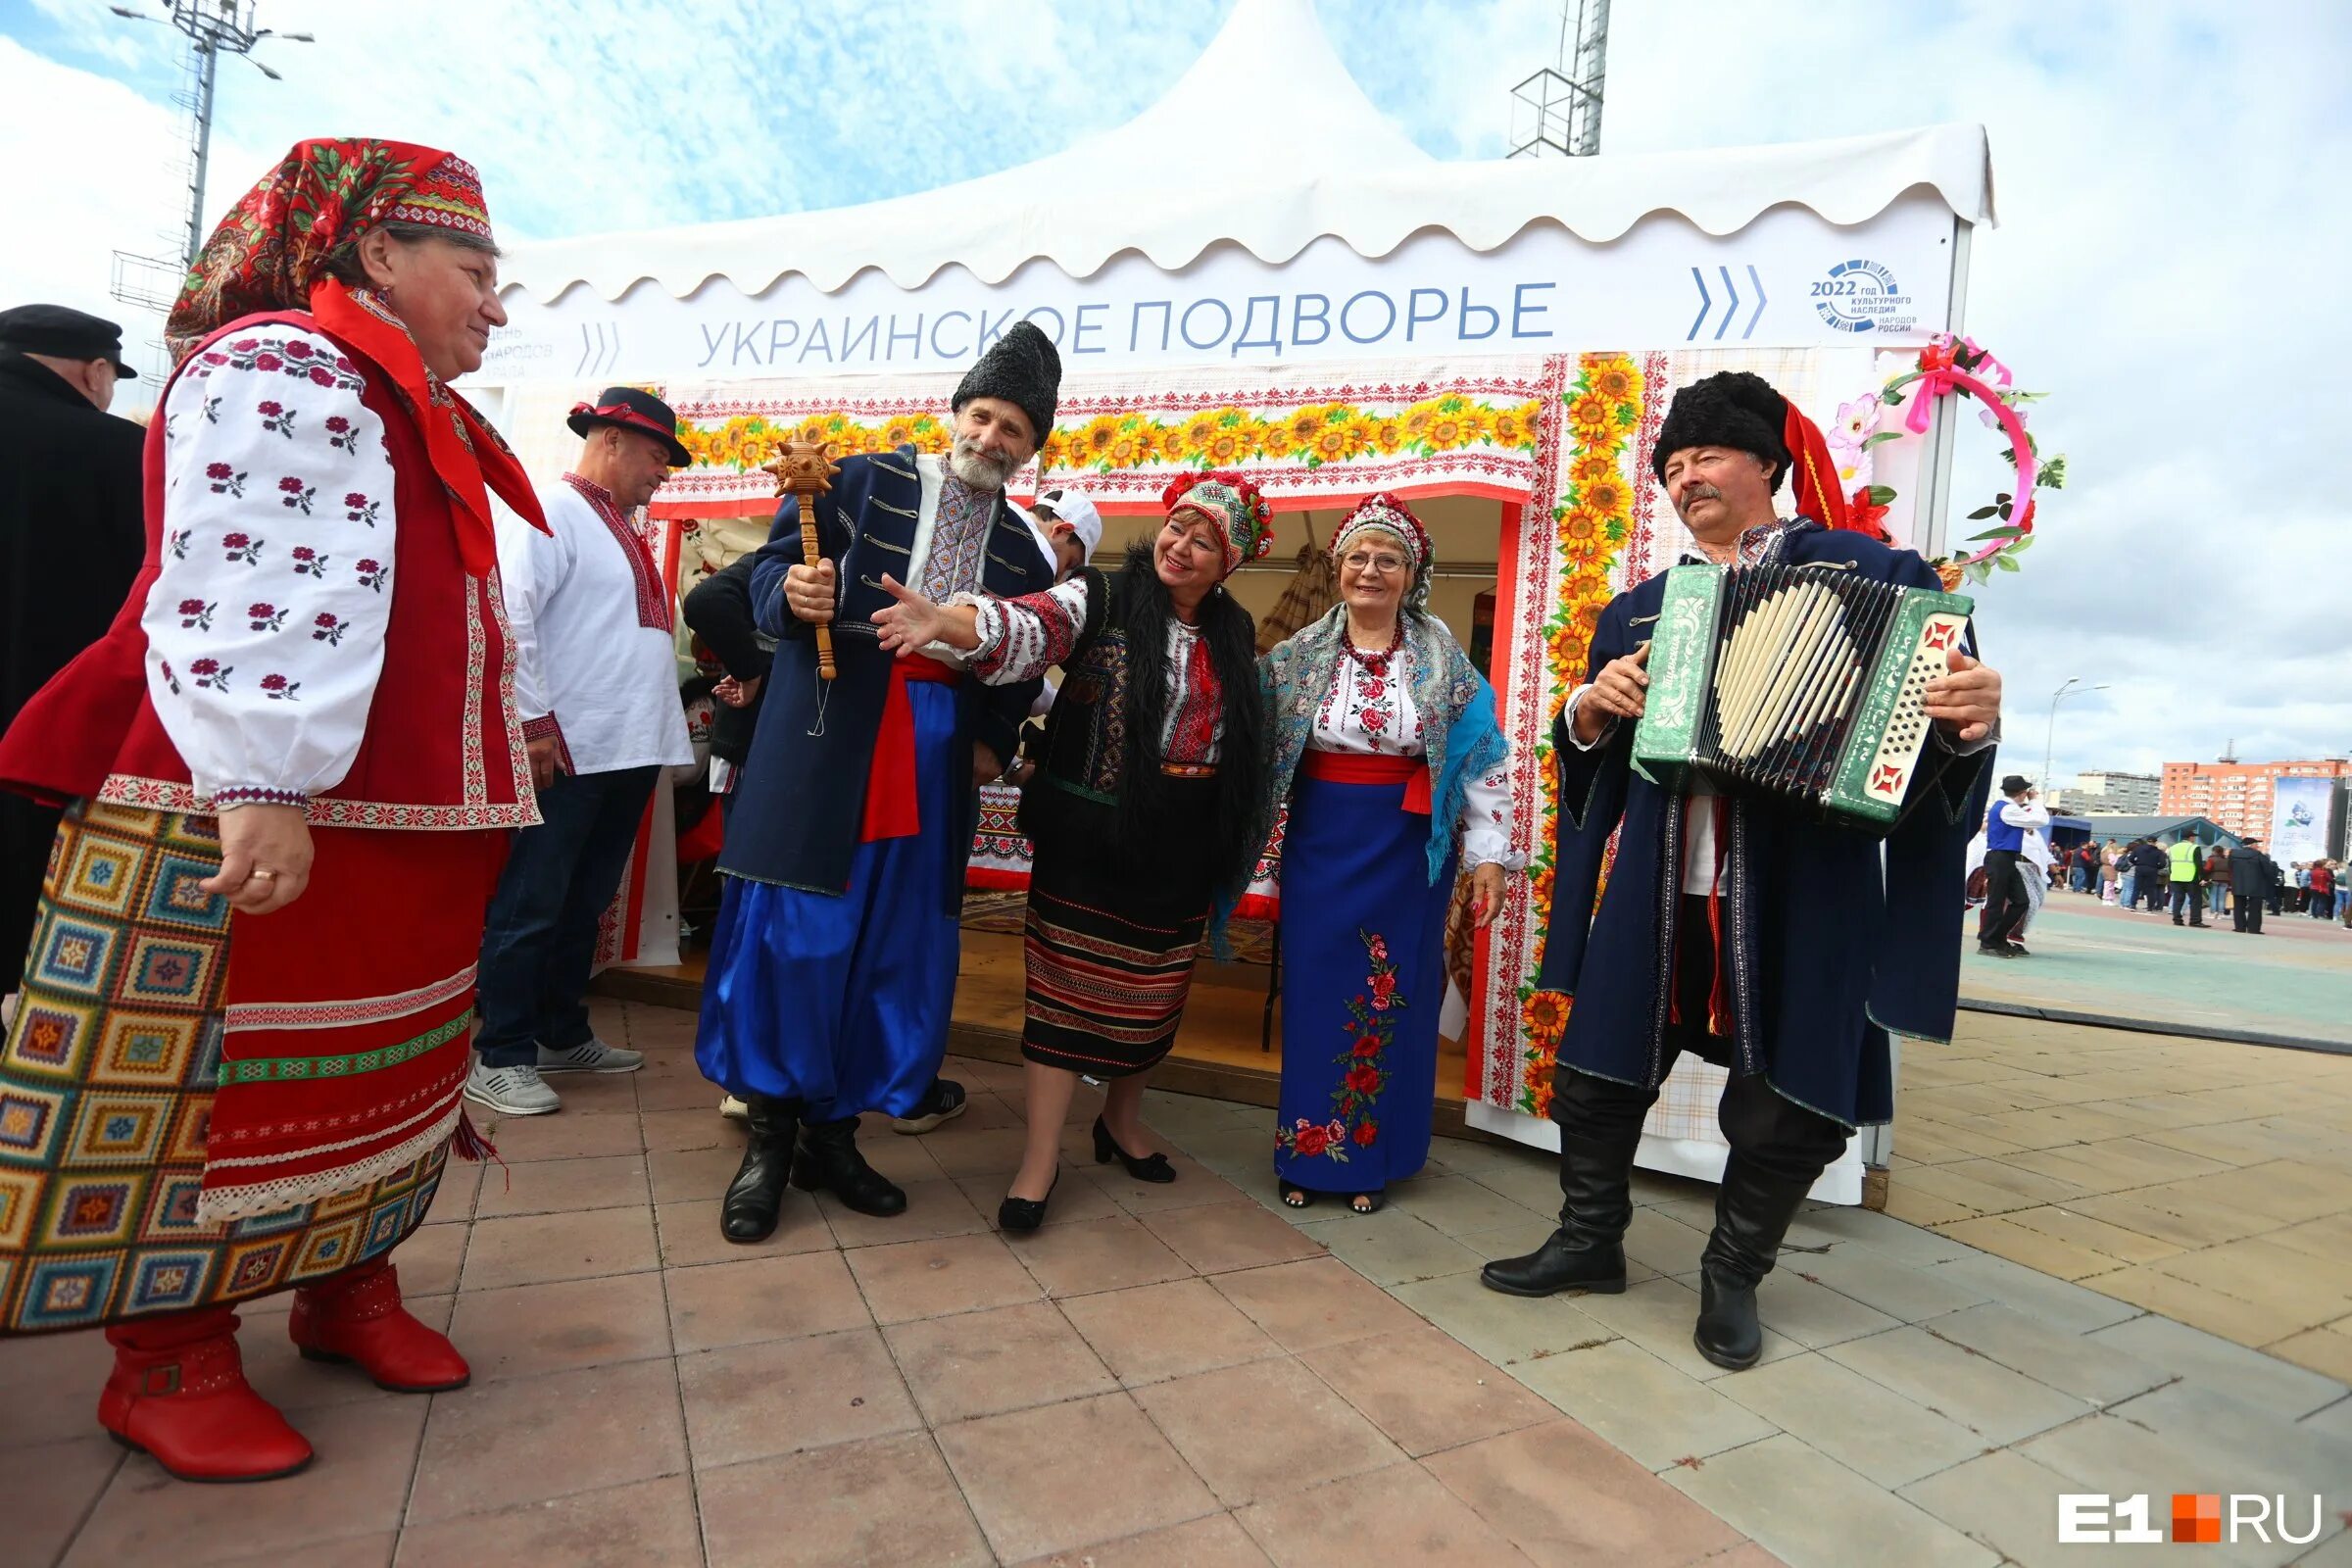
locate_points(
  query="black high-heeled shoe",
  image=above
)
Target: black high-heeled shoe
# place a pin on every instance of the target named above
(1024, 1215)
(1106, 1150)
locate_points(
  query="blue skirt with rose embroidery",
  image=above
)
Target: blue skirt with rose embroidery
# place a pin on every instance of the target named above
(1363, 974)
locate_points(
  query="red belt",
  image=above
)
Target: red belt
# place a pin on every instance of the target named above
(1368, 768)
(892, 809)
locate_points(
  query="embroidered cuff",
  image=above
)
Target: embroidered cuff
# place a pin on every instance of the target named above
(236, 795)
(540, 728)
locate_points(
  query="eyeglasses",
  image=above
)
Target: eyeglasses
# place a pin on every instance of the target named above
(1386, 566)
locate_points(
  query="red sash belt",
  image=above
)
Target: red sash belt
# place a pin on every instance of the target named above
(892, 810)
(1367, 767)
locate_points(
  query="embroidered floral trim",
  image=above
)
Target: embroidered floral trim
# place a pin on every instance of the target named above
(164, 794)
(1364, 1065)
(275, 355)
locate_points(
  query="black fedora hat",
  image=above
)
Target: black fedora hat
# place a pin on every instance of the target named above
(632, 410)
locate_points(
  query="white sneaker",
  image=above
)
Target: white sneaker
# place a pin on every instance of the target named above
(510, 1090)
(593, 1057)
(733, 1109)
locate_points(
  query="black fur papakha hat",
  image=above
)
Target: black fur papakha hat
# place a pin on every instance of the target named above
(1734, 409)
(1021, 367)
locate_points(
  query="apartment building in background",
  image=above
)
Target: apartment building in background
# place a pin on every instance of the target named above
(2238, 795)
(2111, 794)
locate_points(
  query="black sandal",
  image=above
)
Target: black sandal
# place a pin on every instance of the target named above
(1366, 1203)
(1294, 1196)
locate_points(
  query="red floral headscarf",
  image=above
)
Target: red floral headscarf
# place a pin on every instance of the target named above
(270, 254)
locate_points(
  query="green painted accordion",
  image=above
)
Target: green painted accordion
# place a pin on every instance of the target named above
(1800, 683)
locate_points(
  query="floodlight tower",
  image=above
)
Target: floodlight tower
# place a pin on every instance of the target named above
(214, 28)
(1556, 112)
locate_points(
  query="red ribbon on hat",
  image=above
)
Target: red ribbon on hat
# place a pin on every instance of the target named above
(623, 414)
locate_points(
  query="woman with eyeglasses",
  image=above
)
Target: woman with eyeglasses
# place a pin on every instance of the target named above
(1383, 738)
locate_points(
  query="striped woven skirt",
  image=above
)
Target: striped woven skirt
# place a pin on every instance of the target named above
(198, 1107)
(1109, 948)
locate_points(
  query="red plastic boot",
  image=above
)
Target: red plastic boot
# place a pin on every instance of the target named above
(356, 1316)
(178, 1393)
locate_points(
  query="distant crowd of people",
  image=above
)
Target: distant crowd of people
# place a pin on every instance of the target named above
(2019, 866)
(2191, 880)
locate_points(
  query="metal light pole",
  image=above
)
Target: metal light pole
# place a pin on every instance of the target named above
(2074, 687)
(213, 28)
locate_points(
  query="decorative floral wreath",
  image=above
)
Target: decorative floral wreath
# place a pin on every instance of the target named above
(1947, 366)
(1260, 512)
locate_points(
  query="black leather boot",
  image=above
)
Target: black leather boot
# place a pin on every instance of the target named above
(829, 1159)
(1752, 1213)
(1587, 1252)
(748, 1213)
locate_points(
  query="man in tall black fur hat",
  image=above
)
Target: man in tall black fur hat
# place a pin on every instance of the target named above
(1731, 926)
(833, 960)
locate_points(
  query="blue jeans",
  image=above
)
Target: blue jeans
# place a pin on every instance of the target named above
(2131, 898)
(539, 944)
(2217, 895)
(2323, 905)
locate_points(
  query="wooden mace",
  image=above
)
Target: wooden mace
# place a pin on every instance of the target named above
(804, 471)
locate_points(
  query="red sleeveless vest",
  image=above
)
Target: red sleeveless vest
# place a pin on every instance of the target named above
(443, 748)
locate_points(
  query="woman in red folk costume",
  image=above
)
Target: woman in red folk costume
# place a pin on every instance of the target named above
(207, 1097)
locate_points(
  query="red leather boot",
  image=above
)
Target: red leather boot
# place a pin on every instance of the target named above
(178, 1393)
(356, 1316)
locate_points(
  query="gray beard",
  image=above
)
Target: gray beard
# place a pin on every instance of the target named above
(977, 472)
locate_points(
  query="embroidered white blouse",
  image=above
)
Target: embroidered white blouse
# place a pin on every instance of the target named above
(1369, 709)
(582, 651)
(266, 623)
(1020, 639)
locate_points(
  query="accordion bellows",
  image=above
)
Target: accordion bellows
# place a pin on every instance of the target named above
(1801, 683)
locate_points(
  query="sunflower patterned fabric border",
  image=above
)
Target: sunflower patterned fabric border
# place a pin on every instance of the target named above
(1475, 431)
(1606, 408)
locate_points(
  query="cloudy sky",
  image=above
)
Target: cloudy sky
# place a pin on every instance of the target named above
(2168, 265)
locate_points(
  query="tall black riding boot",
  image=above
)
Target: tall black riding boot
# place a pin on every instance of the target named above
(748, 1213)
(1752, 1213)
(829, 1159)
(1587, 1252)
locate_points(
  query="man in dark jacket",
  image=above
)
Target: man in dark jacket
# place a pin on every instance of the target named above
(71, 542)
(2252, 876)
(1734, 926)
(2155, 870)
(720, 610)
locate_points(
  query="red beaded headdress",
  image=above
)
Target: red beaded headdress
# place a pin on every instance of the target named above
(1244, 514)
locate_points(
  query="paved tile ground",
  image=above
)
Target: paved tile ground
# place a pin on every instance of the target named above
(1183, 1374)
(2294, 980)
(2207, 1181)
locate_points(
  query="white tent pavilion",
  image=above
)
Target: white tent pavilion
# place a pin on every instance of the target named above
(1354, 315)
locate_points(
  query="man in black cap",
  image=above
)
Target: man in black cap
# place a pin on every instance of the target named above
(71, 538)
(833, 960)
(596, 685)
(2007, 901)
(1732, 926)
